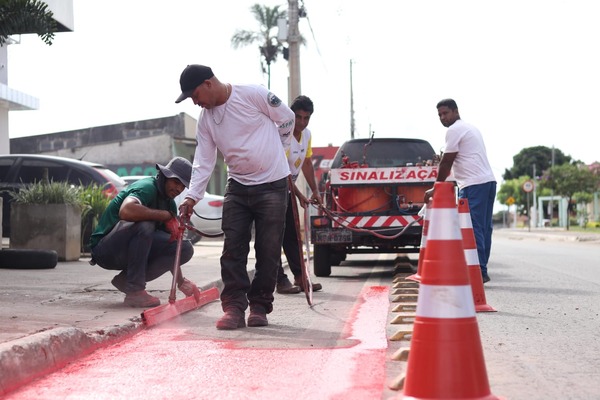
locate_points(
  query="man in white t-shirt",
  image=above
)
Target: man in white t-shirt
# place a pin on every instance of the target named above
(465, 155)
(252, 128)
(299, 159)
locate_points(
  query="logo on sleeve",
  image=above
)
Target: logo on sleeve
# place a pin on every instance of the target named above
(273, 100)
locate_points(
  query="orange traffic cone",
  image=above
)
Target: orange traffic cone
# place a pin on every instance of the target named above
(417, 277)
(446, 357)
(470, 246)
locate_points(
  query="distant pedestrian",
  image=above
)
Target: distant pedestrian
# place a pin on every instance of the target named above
(299, 159)
(136, 234)
(465, 155)
(252, 128)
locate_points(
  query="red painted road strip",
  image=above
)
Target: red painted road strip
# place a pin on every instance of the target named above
(175, 364)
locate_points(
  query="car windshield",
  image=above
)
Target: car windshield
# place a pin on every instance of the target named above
(380, 153)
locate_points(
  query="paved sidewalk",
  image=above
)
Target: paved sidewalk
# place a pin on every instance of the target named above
(50, 317)
(558, 234)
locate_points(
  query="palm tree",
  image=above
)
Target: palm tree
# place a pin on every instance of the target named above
(26, 16)
(270, 47)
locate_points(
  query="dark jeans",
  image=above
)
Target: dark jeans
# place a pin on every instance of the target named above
(264, 205)
(290, 245)
(142, 251)
(481, 206)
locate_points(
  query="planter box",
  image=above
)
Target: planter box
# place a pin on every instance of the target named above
(47, 227)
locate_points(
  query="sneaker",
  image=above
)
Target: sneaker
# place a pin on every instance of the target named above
(188, 287)
(120, 281)
(315, 286)
(232, 319)
(485, 278)
(141, 298)
(258, 316)
(286, 287)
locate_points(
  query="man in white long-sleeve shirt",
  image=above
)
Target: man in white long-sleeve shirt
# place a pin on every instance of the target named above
(252, 128)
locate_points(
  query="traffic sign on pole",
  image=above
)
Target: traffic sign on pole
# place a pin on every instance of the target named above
(528, 186)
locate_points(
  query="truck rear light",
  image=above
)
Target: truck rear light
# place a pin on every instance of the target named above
(321, 222)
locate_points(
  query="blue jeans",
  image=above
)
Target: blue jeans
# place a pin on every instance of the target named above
(481, 205)
(265, 205)
(140, 250)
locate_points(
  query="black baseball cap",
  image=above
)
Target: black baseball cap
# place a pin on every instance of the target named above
(192, 76)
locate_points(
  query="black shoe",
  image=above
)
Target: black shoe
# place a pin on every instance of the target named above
(485, 278)
(233, 319)
(120, 281)
(315, 286)
(286, 287)
(258, 316)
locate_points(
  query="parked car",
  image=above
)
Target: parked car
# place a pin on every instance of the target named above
(207, 213)
(20, 170)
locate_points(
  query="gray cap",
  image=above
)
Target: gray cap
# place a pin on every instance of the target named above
(179, 168)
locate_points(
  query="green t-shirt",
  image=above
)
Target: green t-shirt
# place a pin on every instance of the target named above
(146, 191)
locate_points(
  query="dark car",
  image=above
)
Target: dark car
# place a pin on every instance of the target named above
(19, 170)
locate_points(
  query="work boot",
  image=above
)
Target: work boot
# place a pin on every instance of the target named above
(315, 286)
(188, 287)
(234, 318)
(141, 298)
(120, 281)
(258, 316)
(286, 287)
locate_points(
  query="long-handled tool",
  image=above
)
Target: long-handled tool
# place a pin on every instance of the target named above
(176, 307)
(306, 282)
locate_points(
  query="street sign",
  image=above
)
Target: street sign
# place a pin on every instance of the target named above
(528, 186)
(510, 201)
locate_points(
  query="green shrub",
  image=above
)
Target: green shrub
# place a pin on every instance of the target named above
(49, 193)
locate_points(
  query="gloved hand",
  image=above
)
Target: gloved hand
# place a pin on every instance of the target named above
(172, 226)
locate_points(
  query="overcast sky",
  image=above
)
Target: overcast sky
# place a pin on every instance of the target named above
(526, 73)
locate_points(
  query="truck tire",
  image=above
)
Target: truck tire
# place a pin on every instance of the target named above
(337, 258)
(28, 259)
(322, 260)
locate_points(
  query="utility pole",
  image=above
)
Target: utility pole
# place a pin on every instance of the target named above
(294, 49)
(534, 208)
(351, 105)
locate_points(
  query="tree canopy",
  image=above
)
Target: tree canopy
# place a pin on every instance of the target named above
(541, 156)
(26, 16)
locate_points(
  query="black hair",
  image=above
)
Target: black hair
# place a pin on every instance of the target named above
(303, 103)
(451, 104)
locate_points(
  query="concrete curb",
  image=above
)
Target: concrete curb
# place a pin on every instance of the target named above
(24, 360)
(32, 357)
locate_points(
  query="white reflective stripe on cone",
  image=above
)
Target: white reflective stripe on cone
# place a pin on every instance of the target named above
(443, 225)
(472, 257)
(465, 220)
(445, 301)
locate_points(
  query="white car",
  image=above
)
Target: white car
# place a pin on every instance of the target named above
(206, 217)
(207, 213)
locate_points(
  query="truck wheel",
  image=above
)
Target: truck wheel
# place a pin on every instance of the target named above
(28, 259)
(337, 258)
(322, 260)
